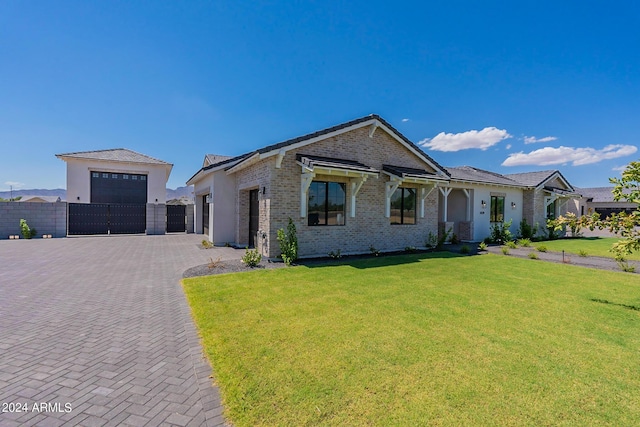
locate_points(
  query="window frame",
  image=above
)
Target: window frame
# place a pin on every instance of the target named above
(402, 207)
(327, 184)
(493, 208)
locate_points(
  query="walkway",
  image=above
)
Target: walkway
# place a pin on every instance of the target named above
(98, 330)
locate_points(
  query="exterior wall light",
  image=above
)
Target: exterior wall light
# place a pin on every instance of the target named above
(484, 204)
(513, 205)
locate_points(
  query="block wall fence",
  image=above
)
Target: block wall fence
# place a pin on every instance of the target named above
(46, 218)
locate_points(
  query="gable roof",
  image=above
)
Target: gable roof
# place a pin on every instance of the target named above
(600, 194)
(114, 155)
(471, 174)
(373, 119)
(531, 179)
(211, 159)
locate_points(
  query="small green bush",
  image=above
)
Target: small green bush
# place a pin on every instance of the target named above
(582, 253)
(410, 249)
(206, 244)
(465, 249)
(432, 240)
(251, 257)
(541, 248)
(505, 250)
(288, 243)
(335, 254)
(26, 231)
(525, 243)
(374, 251)
(533, 255)
(482, 246)
(511, 244)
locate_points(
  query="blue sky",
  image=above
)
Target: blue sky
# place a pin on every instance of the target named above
(500, 86)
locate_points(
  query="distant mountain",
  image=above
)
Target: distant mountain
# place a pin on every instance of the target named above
(186, 192)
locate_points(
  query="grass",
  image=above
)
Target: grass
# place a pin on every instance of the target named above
(593, 246)
(423, 339)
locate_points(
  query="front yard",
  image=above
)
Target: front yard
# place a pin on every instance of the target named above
(423, 339)
(593, 246)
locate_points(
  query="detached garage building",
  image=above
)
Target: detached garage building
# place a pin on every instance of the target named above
(116, 191)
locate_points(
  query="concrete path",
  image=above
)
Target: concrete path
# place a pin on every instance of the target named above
(96, 331)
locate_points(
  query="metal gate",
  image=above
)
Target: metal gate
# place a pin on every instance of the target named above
(106, 218)
(176, 218)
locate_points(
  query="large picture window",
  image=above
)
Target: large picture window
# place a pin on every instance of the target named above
(497, 209)
(551, 210)
(403, 206)
(327, 202)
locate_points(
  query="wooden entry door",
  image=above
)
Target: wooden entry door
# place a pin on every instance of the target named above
(254, 216)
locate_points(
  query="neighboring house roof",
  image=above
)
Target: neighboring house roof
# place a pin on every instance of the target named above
(471, 174)
(114, 155)
(531, 179)
(599, 194)
(41, 199)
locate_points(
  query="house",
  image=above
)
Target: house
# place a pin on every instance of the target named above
(115, 191)
(350, 187)
(547, 195)
(41, 199)
(599, 200)
(360, 185)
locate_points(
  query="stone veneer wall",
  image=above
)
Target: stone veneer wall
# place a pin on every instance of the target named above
(46, 218)
(368, 228)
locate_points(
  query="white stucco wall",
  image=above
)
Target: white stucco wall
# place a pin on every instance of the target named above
(79, 178)
(221, 209)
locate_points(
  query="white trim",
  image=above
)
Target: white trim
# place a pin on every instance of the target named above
(424, 193)
(445, 191)
(305, 182)
(555, 175)
(356, 184)
(389, 188)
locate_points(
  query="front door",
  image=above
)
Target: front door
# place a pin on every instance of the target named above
(205, 215)
(254, 216)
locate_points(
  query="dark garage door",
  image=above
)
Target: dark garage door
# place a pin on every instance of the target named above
(107, 218)
(176, 218)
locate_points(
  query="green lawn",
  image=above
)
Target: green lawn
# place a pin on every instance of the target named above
(595, 246)
(424, 339)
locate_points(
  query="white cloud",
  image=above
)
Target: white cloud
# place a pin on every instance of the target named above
(405, 120)
(481, 139)
(577, 156)
(508, 147)
(533, 139)
(619, 168)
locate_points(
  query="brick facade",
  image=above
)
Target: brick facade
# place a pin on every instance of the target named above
(369, 227)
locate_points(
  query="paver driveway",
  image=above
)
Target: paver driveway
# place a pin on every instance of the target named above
(100, 326)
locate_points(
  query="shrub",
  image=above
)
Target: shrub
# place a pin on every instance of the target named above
(500, 232)
(288, 243)
(206, 244)
(582, 253)
(27, 232)
(541, 248)
(454, 239)
(410, 249)
(465, 249)
(374, 251)
(533, 255)
(442, 239)
(525, 231)
(215, 264)
(251, 257)
(482, 246)
(525, 243)
(432, 240)
(505, 250)
(511, 244)
(335, 254)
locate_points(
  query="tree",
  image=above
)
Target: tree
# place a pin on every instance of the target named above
(627, 226)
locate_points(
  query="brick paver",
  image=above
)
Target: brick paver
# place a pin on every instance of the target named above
(101, 324)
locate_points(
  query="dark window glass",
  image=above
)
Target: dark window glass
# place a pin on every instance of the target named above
(134, 177)
(114, 175)
(403, 206)
(125, 191)
(125, 176)
(105, 175)
(551, 210)
(95, 175)
(327, 202)
(497, 209)
(143, 177)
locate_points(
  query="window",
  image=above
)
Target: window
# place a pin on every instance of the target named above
(143, 177)
(403, 206)
(125, 176)
(551, 210)
(105, 175)
(134, 177)
(497, 209)
(327, 202)
(95, 174)
(114, 176)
